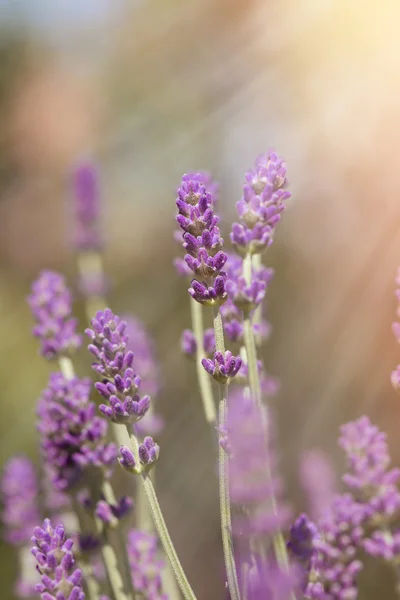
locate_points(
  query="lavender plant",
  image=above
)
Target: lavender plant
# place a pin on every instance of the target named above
(99, 546)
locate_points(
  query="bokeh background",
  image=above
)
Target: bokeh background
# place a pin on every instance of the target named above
(152, 89)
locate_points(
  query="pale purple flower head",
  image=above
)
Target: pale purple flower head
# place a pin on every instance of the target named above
(266, 580)
(86, 208)
(19, 489)
(223, 367)
(149, 452)
(52, 549)
(189, 346)
(335, 563)
(373, 483)
(202, 240)
(146, 568)
(72, 436)
(51, 305)
(114, 361)
(261, 205)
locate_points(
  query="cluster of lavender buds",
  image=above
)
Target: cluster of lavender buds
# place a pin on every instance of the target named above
(145, 565)
(148, 452)
(261, 206)
(212, 187)
(119, 385)
(60, 580)
(73, 438)
(51, 305)
(269, 552)
(201, 240)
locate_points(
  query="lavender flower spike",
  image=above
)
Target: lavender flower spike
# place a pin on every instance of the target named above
(73, 438)
(19, 489)
(146, 568)
(56, 562)
(261, 206)
(51, 305)
(114, 363)
(202, 240)
(223, 367)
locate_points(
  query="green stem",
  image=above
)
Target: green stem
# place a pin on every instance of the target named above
(206, 392)
(161, 526)
(91, 583)
(251, 353)
(223, 469)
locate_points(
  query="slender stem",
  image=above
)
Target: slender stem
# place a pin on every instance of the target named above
(257, 315)
(160, 525)
(111, 564)
(206, 392)
(251, 353)
(90, 264)
(223, 469)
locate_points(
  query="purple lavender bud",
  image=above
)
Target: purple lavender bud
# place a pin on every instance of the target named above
(88, 543)
(223, 367)
(19, 490)
(211, 295)
(145, 566)
(246, 297)
(301, 539)
(72, 436)
(188, 343)
(261, 205)
(51, 305)
(105, 514)
(209, 341)
(149, 452)
(127, 459)
(87, 208)
(53, 553)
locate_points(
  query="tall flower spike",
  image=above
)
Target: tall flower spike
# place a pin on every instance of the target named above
(51, 305)
(212, 188)
(73, 438)
(261, 206)
(119, 385)
(201, 240)
(19, 490)
(60, 580)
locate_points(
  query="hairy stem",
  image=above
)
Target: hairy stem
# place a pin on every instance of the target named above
(223, 469)
(206, 392)
(160, 525)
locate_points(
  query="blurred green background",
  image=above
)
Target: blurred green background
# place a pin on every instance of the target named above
(152, 89)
